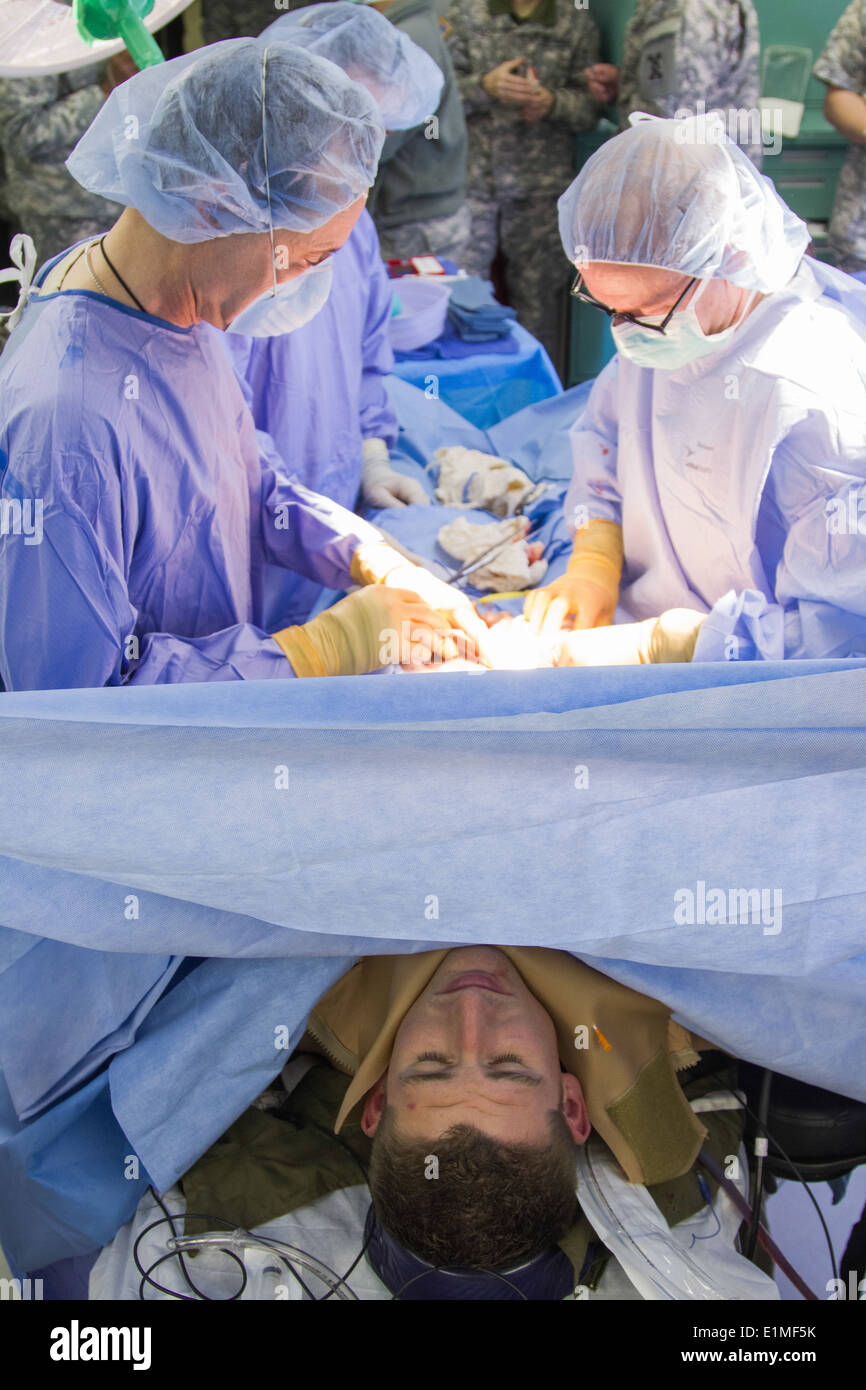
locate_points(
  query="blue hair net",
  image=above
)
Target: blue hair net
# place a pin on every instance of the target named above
(678, 194)
(403, 80)
(202, 145)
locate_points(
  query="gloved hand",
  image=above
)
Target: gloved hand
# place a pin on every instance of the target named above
(588, 590)
(670, 637)
(381, 486)
(375, 563)
(374, 627)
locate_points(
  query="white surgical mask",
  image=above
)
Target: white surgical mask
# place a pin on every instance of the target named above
(683, 340)
(289, 306)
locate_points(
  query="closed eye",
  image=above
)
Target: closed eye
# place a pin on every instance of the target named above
(525, 1078)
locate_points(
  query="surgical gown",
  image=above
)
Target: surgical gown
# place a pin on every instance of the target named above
(738, 478)
(320, 392)
(153, 505)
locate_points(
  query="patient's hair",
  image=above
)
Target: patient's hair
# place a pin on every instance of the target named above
(491, 1203)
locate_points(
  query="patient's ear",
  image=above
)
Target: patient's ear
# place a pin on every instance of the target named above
(373, 1107)
(573, 1108)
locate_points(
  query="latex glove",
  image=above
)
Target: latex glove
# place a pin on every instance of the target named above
(374, 627)
(375, 563)
(381, 486)
(589, 589)
(670, 637)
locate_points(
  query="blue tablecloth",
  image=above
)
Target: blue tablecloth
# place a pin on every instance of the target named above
(486, 386)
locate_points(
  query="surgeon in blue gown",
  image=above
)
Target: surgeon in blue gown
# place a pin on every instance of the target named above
(320, 392)
(720, 464)
(125, 438)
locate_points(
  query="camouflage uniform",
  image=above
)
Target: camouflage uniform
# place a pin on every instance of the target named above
(681, 52)
(518, 169)
(843, 64)
(41, 119)
(237, 19)
(447, 236)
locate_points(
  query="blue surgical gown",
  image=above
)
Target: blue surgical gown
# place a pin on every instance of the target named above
(739, 479)
(160, 505)
(320, 392)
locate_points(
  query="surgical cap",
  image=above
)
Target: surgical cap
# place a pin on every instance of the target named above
(403, 80)
(678, 194)
(203, 144)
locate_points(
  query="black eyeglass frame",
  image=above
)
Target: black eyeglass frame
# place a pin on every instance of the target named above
(586, 298)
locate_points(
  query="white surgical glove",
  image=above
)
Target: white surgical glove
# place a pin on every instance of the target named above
(381, 486)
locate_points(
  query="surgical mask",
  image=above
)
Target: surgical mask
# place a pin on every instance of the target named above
(290, 305)
(683, 340)
(287, 307)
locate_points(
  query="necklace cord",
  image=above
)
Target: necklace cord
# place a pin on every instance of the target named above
(119, 277)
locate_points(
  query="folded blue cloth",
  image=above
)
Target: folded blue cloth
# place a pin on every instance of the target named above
(451, 344)
(475, 314)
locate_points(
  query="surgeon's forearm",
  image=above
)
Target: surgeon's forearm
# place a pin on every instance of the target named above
(847, 112)
(669, 638)
(308, 533)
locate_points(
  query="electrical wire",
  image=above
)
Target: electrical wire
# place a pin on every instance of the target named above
(791, 1164)
(323, 1272)
(171, 1220)
(757, 1186)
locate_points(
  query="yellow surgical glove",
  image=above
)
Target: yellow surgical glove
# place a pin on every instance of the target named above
(589, 589)
(670, 637)
(378, 563)
(371, 628)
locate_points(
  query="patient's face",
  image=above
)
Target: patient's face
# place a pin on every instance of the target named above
(477, 1048)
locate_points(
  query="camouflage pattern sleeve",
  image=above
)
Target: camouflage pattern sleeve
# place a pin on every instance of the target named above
(628, 69)
(41, 124)
(692, 55)
(574, 104)
(843, 61)
(738, 82)
(236, 19)
(466, 55)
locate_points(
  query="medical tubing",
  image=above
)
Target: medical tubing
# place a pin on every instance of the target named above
(792, 1165)
(178, 1255)
(171, 1220)
(758, 1183)
(140, 43)
(764, 1236)
(317, 1267)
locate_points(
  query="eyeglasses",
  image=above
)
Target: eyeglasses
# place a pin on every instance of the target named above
(586, 298)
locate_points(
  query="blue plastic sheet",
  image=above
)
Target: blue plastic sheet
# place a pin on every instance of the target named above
(557, 808)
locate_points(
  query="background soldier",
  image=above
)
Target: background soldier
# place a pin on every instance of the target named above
(521, 70)
(842, 66)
